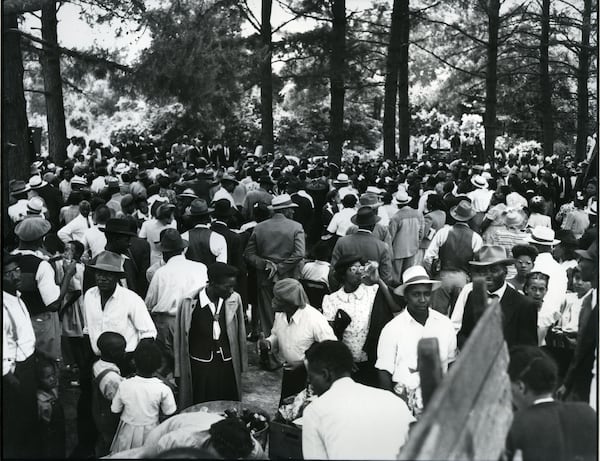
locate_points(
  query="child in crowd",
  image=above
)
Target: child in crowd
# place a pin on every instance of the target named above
(141, 399)
(107, 378)
(51, 415)
(70, 313)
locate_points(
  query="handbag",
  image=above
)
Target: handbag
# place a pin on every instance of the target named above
(340, 323)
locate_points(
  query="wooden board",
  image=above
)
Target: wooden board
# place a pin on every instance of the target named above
(470, 413)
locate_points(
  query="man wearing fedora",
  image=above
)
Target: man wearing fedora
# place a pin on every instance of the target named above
(364, 243)
(397, 361)
(18, 210)
(171, 283)
(276, 249)
(519, 313)
(205, 245)
(542, 238)
(406, 231)
(452, 248)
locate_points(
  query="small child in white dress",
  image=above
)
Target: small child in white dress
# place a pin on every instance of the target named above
(141, 399)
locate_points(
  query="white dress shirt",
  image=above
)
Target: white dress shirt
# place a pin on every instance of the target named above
(150, 231)
(440, 238)
(18, 211)
(124, 313)
(94, 240)
(306, 326)
(44, 277)
(221, 194)
(75, 229)
(341, 221)
(459, 306)
(397, 347)
(358, 305)
(216, 242)
(173, 282)
(557, 289)
(18, 339)
(353, 421)
(480, 199)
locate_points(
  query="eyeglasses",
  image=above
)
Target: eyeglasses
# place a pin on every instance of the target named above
(357, 269)
(11, 271)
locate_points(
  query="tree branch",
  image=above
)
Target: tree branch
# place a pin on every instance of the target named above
(23, 6)
(449, 64)
(72, 53)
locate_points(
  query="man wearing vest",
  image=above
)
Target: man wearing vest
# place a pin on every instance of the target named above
(453, 246)
(39, 291)
(210, 341)
(205, 245)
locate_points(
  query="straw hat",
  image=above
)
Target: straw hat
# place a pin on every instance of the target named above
(281, 202)
(479, 181)
(542, 236)
(416, 275)
(36, 182)
(402, 197)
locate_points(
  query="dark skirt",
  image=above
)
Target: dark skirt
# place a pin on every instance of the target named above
(213, 380)
(293, 382)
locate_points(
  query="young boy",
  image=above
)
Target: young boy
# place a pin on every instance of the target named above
(107, 378)
(51, 416)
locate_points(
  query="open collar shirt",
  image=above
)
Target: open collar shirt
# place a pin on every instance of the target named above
(18, 338)
(397, 348)
(305, 327)
(124, 313)
(174, 281)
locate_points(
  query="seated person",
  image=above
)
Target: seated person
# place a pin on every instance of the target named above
(544, 428)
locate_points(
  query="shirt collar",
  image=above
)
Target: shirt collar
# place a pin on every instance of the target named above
(206, 226)
(176, 258)
(10, 297)
(543, 400)
(364, 231)
(357, 294)
(297, 315)
(500, 291)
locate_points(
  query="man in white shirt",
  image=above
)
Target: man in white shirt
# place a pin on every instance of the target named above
(341, 221)
(150, 230)
(94, 238)
(397, 348)
(480, 199)
(542, 238)
(228, 183)
(171, 283)
(297, 325)
(349, 420)
(19, 404)
(75, 229)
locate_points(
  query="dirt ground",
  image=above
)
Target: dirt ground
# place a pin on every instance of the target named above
(260, 388)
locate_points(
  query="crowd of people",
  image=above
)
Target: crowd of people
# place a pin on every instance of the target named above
(145, 274)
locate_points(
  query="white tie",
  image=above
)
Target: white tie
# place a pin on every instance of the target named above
(216, 312)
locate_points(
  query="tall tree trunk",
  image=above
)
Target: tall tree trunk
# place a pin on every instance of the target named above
(16, 150)
(392, 66)
(55, 111)
(545, 84)
(403, 102)
(583, 73)
(491, 79)
(266, 79)
(337, 63)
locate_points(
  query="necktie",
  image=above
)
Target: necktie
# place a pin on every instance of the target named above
(216, 311)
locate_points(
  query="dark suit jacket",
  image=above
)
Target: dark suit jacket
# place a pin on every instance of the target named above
(554, 430)
(304, 213)
(369, 247)
(519, 319)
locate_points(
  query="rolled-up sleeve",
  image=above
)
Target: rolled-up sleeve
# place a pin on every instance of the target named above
(140, 318)
(49, 290)
(386, 351)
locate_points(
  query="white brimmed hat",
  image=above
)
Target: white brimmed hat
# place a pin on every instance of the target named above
(416, 275)
(542, 236)
(479, 181)
(402, 197)
(281, 202)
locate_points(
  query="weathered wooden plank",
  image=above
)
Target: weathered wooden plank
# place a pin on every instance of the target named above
(484, 432)
(430, 367)
(440, 430)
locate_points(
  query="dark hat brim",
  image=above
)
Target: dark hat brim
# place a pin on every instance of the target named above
(117, 231)
(372, 220)
(458, 217)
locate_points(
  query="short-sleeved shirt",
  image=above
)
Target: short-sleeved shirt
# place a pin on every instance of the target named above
(305, 327)
(397, 348)
(141, 400)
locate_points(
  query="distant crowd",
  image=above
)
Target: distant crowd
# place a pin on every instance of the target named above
(141, 275)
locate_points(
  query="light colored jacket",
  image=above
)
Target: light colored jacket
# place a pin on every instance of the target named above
(236, 332)
(406, 230)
